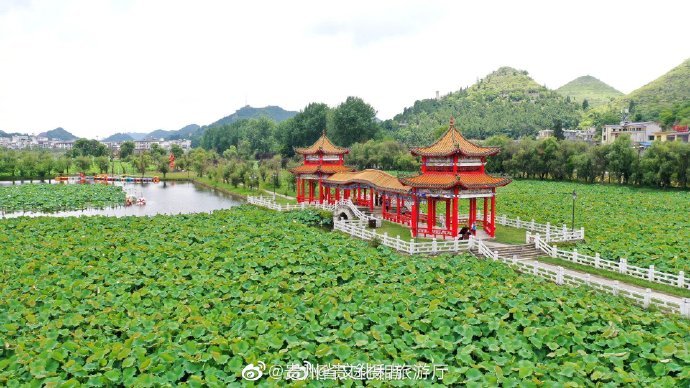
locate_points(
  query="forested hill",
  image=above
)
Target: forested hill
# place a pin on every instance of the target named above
(647, 102)
(591, 89)
(507, 101)
(666, 99)
(274, 113)
(119, 137)
(58, 133)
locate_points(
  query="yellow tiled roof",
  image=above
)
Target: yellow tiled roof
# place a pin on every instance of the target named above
(324, 145)
(471, 180)
(375, 178)
(453, 142)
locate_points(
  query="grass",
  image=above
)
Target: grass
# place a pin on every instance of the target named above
(509, 235)
(618, 276)
(394, 229)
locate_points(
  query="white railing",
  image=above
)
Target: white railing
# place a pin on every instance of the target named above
(358, 228)
(355, 210)
(620, 266)
(550, 233)
(559, 276)
(269, 203)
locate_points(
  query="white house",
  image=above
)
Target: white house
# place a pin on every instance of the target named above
(640, 133)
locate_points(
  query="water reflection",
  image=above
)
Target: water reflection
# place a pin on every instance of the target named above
(161, 198)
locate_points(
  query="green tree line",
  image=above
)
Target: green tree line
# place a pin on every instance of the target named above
(664, 164)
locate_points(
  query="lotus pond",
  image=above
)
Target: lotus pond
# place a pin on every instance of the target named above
(646, 226)
(192, 299)
(50, 198)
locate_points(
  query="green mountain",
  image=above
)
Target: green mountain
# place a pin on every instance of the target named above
(59, 134)
(665, 99)
(119, 137)
(506, 101)
(647, 102)
(274, 113)
(587, 87)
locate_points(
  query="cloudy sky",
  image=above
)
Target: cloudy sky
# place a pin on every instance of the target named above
(96, 67)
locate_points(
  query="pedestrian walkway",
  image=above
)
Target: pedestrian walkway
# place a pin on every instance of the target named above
(566, 276)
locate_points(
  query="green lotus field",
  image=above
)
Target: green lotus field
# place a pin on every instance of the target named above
(193, 299)
(50, 198)
(646, 226)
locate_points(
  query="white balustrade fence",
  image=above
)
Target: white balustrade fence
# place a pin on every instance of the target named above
(269, 203)
(621, 266)
(548, 232)
(358, 228)
(560, 276)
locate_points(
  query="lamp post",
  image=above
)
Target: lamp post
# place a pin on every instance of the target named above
(574, 198)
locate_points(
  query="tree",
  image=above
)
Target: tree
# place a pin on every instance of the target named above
(45, 165)
(142, 162)
(8, 163)
(353, 121)
(163, 165)
(83, 163)
(157, 150)
(302, 129)
(199, 160)
(126, 149)
(558, 129)
(177, 151)
(85, 147)
(620, 158)
(103, 163)
(585, 104)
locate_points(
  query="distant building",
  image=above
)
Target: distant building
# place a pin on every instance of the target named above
(582, 135)
(640, 133)
(679, 133)
(145, 145)
(545, 133)
(63, 144)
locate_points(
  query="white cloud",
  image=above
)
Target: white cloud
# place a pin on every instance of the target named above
(96, 67)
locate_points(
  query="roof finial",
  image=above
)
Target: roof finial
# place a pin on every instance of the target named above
(323, 133)
(452, 121)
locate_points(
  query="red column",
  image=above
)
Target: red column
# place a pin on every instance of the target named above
(371, 199)
(486, 210)
(493, 215)
(454, 215)
(473, 211)
(346, 194)
(429, 215)
(397, 209)
(415, 214)
(321, 193)
(311, 189)
(337, 194)
(447, 223)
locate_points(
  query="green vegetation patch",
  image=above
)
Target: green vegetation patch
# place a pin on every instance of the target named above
(192, 299)
(50, 198)
(646, 226)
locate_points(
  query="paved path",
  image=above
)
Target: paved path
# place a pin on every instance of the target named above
(609, 282)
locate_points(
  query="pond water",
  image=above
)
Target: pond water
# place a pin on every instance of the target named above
(161, 198)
